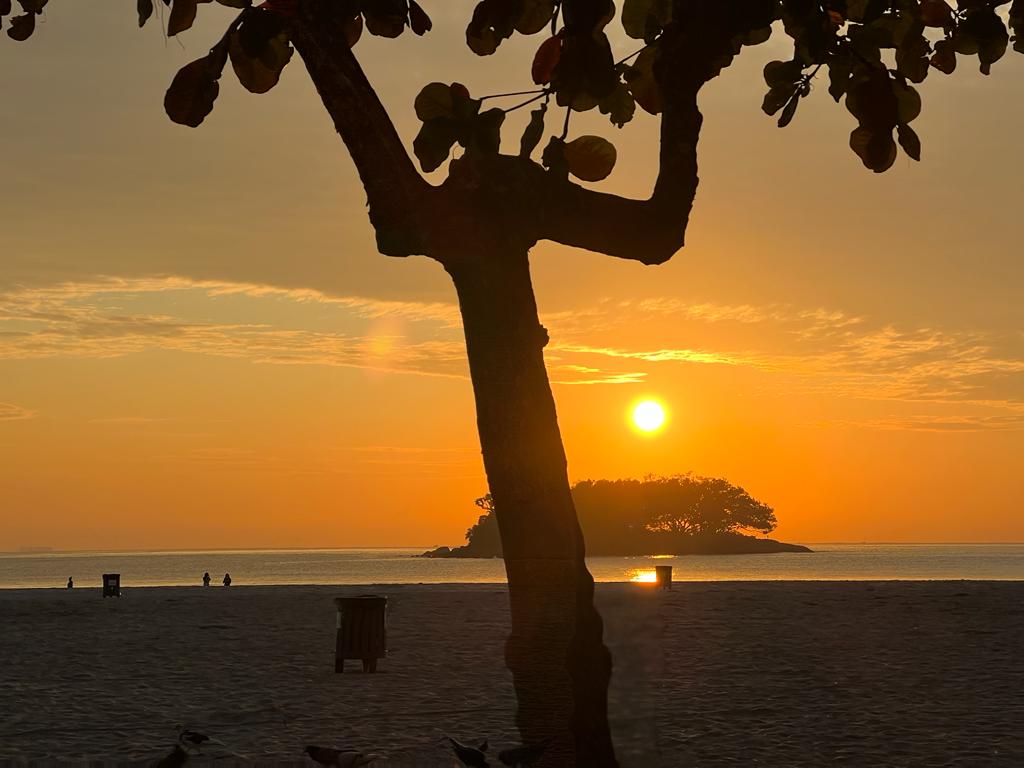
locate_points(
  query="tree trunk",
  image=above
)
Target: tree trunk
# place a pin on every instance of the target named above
(555, 652)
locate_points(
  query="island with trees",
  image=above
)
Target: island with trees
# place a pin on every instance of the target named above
(677, 515)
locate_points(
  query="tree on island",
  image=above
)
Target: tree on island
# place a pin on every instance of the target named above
(481, 222)
(656, 515)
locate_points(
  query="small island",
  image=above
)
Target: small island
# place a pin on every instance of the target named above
(677, 515)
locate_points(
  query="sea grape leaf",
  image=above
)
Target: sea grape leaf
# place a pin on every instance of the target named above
(590, 158)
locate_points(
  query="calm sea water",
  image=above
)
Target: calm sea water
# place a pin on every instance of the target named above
(400, 566)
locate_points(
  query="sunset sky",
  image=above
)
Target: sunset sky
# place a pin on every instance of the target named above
(200, 347)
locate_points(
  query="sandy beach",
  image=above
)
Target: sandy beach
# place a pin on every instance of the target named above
(709, 674)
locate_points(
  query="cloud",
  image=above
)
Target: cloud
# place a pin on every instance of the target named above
(814, 351)
(9, 412)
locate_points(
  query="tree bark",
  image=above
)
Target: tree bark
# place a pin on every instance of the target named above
(559, 663)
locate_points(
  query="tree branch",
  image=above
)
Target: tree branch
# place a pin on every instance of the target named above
(394, 188)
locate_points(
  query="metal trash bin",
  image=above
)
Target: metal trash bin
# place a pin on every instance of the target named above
(111, 584)
(663, 576)
(362, 631)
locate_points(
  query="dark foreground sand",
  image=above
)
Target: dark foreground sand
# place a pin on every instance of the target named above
(710, 674)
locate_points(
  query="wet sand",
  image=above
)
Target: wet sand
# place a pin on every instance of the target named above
(709, 674)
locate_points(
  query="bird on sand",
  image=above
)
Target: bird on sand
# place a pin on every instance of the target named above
(338, 758)
(524, 756)
(471, 757)
(190, 738)
(177, 758)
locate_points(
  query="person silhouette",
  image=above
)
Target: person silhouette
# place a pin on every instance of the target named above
(206, 579)
(227, 579)
(71, 583)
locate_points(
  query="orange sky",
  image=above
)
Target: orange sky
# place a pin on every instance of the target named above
(199, 346)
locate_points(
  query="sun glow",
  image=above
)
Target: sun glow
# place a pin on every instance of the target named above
(644, 576)
(648, 416)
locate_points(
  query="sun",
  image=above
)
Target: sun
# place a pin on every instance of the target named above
(648, 416)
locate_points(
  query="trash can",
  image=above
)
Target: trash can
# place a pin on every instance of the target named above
(111, 584)
(362, 631)
(663, 576)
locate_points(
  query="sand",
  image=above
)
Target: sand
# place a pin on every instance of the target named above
(709, 674)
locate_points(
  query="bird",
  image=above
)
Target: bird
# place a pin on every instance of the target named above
(338, 758)
(471, 757)
(177, 758)
(524, 756)
(191, 738)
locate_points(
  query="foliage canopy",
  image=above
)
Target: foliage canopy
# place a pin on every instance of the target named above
(874, 52)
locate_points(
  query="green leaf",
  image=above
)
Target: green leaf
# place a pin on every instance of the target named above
(22, 27)
(183, 14)
(876, 149)
(909, 141)
(789, 111)
(619, 105)
(434, 142)
(536, 15)
(386, 18)
(487, 131)
(145, 10)
(553, 158)
(641, 83)
(193, 91)
(534, 132)
(258, 74)
(419, 22)
(433, 101)
(590, 158)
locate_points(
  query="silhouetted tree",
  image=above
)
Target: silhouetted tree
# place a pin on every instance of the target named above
(481, 222)
(630, 516)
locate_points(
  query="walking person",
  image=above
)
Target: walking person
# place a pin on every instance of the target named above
(227, 579)
(71, 583)
(206, 579)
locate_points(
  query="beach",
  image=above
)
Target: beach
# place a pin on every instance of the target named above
(707, 674)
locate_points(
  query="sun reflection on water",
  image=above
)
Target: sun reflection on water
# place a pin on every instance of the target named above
(643, 575)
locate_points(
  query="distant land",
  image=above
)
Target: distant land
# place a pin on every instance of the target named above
(713, 544)
(676, 515)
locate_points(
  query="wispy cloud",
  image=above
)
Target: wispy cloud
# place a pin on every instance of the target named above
(10, 412)
(813, 350)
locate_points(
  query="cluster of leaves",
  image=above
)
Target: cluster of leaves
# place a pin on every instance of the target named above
(258, 45)
(23, 25)
(874, 50)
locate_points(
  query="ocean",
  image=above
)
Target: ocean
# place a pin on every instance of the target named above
(401, 566)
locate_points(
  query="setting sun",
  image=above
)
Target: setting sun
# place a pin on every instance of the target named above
(648, 416)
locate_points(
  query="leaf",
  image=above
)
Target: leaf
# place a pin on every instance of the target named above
(492, 22)
(777, 98)
(32, 6)
(487, 131)
(534, 132)
(183, 14)
(936, 13)
(590, 158)
(876, 149)
(789, 111)
(840, 68)
(145, 10)
(419, 22)
(433, 101)
(258, 74)
(644, 19)
(434, 142)
(546, 59)
(944, 58)
(781, 73)
(641, 83)
(535, 16)
(22, 27)
(908, 101)
(193, 91)
(386, 18)
(619, 105)
(553, 157)
(909, 141)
